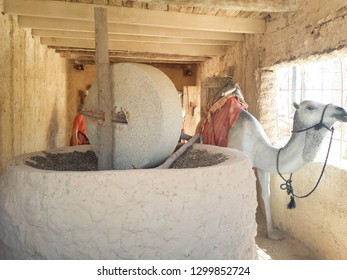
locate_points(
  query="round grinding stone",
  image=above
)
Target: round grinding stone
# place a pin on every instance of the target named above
(154, 116)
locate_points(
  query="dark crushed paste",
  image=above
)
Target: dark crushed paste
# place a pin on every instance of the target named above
(87, 161)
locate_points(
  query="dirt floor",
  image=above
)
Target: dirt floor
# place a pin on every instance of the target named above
(284, 249)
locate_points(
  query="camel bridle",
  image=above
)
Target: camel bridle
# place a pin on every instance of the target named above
(288, 183)
(319, 125)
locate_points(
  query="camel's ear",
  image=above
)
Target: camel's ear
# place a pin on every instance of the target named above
(296, 105)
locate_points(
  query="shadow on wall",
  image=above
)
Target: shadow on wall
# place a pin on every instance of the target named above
(52, 132)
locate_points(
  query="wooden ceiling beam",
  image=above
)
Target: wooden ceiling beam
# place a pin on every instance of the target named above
(80, 11)
(125, 38)
(236, 5)
(168, 48)
(75, 53)
(125, 29)
(88, 57)
(140, 60)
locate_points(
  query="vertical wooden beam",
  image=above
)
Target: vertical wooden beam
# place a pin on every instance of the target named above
(105, 133)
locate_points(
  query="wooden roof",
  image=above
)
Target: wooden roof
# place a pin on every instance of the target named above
(158, 31)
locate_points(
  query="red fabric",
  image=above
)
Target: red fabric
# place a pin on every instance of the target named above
(221, 117)
(79, 124)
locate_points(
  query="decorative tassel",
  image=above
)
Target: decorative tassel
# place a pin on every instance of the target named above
(291, 204)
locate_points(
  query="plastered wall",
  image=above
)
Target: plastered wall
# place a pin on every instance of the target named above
(33, 94)
(320, 219)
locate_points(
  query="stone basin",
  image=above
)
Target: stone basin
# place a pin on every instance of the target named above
(188, 213)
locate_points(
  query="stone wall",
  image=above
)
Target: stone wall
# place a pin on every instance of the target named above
(33, 95)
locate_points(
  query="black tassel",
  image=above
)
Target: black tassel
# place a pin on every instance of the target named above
(291, 204)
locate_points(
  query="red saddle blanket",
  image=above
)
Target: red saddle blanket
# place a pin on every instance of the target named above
(221, 117)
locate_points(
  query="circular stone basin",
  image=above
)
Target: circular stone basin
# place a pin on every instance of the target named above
(187, 213)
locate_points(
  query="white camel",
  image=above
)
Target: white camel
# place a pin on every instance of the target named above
(312, 120)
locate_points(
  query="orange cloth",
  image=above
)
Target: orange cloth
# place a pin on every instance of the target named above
(221, 117)
(79, 124)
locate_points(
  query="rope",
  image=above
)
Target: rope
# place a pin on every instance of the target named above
(288, 183)
(319, 125)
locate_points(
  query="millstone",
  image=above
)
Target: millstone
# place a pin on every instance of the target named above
(152, 106)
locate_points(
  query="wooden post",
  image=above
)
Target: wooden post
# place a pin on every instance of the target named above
(105, 133)
(2, 5)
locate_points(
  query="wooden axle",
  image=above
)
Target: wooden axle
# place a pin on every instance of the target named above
(117, 117)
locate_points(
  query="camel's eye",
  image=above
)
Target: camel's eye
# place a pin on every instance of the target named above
(311, 107)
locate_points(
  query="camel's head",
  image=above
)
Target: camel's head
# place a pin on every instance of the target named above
(310, 113)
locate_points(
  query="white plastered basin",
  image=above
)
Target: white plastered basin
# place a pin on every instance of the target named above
(195, 213)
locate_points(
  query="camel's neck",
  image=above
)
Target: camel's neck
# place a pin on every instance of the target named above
(301, 148)
(248, 136)
(290, 158)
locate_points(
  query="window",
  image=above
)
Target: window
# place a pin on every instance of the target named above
(323, 81)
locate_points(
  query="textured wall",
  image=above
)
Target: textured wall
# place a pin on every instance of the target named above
(33, 95)
(193, 213)
(317, 30)
(78, 80)
(319, 220)
(318, 27)
(177, 76)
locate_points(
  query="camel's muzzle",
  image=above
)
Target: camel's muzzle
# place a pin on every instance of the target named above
(340, 114)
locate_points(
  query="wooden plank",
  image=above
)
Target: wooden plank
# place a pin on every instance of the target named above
(91, 61)
(125, 38)
(87, 56)
(238, 5)
(198, 50)
(80, 11)
(105, 132)
(125, 29)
